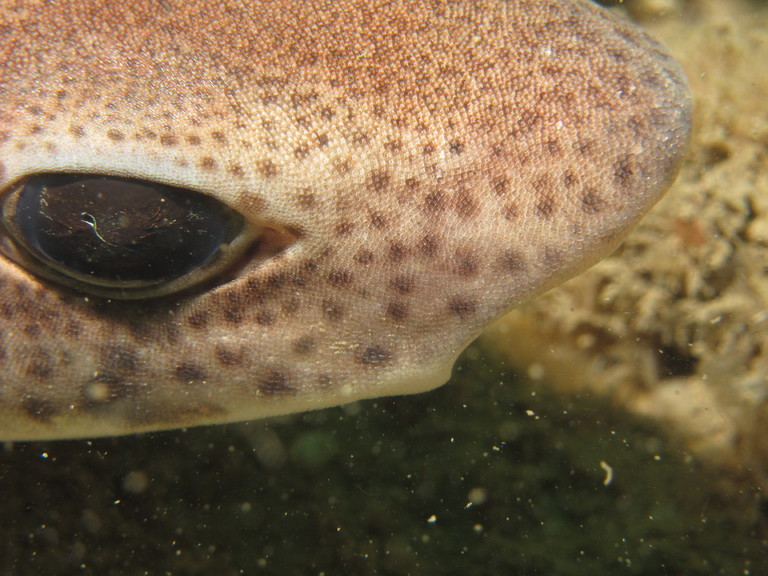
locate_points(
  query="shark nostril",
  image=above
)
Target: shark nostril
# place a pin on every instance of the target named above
(120, 237)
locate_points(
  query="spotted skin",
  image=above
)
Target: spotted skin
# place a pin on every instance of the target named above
(420, 168)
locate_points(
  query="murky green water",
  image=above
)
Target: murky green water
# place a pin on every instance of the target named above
(488, 475)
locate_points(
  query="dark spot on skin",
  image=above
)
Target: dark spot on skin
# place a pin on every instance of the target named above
(340, 278)
(301, 152)
(236, 170)
(77, 131)
(464, 204)
(462, 307)
(378, 220)
(208, 164)
(511, 212)
(193, 140)
(623, 172)
(115, 135)
(553, 148)
(466, 264)
(304, 345)
(305, 198)
(344, 229)
(500, 185)
(397, 311)
(569, 179)
(456, 147)
(428, 246)
(428, 149)
(591, 202)
(404, 284)
(38, 409)
(342, 167)
(233, 316)
(378, 180)
(227, 357)
(513, 261)
(434, 202)
(553, 257)
(189, 373)
(168, 140)
(266, 168)
(375, 356)
(364, 257)
(119, 358)
(198, 319)
(545, 207)
(274, 383)
(333, 310)
(265, 318)
(397, 252)
(218, 136)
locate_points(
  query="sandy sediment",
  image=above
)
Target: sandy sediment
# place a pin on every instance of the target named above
(674, 325)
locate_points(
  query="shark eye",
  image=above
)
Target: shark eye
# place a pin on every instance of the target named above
(120, 237)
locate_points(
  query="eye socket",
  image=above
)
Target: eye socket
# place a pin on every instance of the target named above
(120, 237)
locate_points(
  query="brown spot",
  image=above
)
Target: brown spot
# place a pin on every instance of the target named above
(344, 229)
(461, 306)
(198, 319)
(168, 140)
(456, 147)
(364, 257)
(375, 356)
(38, 409)
(546, 206)
(301, 151)
(500, 185)
(115, 135)
(305, 198)
(236, 170)
(397, 252)
(265, 318)
(397, 311)
(553, 148)
(511, 212)
(189, 373)
(434, 202)
(192, 140)
(569, 179)
(591, 202)
(274, 383)
(342, 167)
(304, 345)
(378, 220)
(228, 357)
(428, 246)
(333, 310)
(464, 204)
(120, 358)
(208, 164)
(218, 136)
(266, 168)
(428, 149)
(378, 180)
(77, 131)
(466, 264)
(340, 278)
(513, 261)
(233, 316)
(623, 171)
(404, 284)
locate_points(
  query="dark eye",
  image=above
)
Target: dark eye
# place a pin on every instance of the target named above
(120, 237)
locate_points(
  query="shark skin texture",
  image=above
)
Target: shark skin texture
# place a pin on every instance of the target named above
(409, 171)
